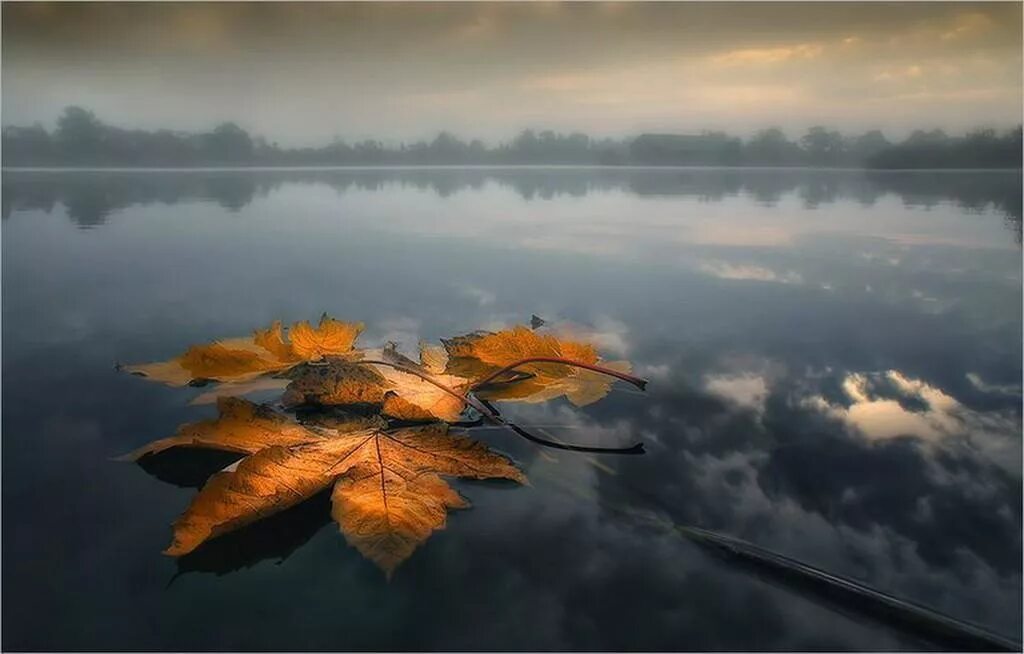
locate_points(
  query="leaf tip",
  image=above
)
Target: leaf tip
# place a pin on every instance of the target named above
(177, 548)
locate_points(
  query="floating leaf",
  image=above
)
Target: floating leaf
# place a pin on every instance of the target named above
(336, 383)
(241, 427)
(336, 421)
(496, 350)
(234, 360)
(262, 484)
(392, 499)
(433, 358)
(413, 398)
(478, 355)
(398, 394)
(241, 359)
(272, 340)
(580, 386)
(331, 337)
(389, 494)
(387, 500)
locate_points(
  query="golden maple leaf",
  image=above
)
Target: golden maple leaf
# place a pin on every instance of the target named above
(412, 398)
(478, 355)
(579, 386)
(330, 337)
(242, 359)
(241, 427)
(388, 495)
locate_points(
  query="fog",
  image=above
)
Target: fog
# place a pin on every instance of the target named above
(303, 74)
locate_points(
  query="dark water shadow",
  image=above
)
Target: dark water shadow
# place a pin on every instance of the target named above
(274, 538)
(184, 467)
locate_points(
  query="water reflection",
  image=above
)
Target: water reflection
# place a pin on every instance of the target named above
(840, 384)
(92, 196)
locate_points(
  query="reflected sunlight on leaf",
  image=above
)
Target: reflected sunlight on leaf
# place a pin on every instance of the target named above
(478, 355)
(387, 499)
(352, 426)
(241, 359)
(241, 427)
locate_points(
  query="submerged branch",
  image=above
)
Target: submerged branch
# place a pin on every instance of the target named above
(924, 622)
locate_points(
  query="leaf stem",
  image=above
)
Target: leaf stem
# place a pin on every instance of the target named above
(636, 381)
(468, 399)
(636, 448)
(492, 414)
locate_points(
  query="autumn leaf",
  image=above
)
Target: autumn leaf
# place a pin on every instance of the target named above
(331, 337)
(239, 389)
(334, 421)
(393, 498)
(246, 428)
(229, 360)
(581, 387)
(433, 358)
(267, 482)
(412, 398)
(397, 393)
(478, 355)
(482, 350)
(272, 340)
(389, 492)
(335, 383)
(241, 427)
(388, 495)
(242, 359)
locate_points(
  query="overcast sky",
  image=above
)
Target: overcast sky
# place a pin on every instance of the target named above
(303, 73)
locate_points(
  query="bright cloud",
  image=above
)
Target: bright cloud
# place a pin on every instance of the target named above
(875, 411)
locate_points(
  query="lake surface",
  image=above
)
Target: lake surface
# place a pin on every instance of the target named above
(835, 374)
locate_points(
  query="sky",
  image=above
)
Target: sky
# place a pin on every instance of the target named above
(304, 73)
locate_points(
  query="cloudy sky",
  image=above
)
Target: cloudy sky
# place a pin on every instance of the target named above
(301, 73)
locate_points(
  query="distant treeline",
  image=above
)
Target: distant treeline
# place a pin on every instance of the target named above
(81, 139)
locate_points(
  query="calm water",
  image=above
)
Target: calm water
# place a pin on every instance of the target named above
(835, 366)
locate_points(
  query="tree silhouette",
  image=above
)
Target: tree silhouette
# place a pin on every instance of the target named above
(81, 139)
(824, 147)
(79, 134)
(230, 143)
